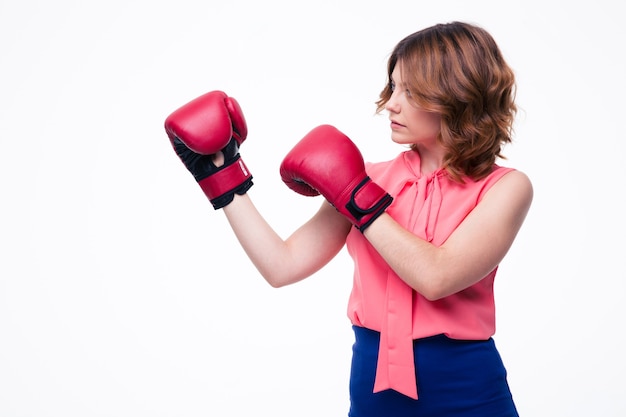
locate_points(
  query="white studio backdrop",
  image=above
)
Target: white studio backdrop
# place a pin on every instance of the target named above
(123, 293)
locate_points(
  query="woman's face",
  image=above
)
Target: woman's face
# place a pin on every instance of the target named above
(410, 124)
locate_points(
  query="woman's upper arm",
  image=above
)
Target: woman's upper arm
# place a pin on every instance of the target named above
(317, 241)
(482, 240)
(285, 261)
(471, 252)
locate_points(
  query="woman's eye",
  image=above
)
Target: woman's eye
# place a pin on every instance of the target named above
(392, 86)
(407, 92)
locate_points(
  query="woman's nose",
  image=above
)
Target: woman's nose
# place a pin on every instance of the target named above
(392, 104)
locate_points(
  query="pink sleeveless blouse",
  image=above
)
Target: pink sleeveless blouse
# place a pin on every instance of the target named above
(432, 206)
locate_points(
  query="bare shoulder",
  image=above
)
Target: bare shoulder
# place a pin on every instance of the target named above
(518, 176)
(514, 190)
(517, 183)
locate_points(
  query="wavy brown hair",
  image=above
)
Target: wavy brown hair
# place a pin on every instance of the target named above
(457, 70)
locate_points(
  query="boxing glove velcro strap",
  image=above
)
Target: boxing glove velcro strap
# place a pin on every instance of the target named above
(221, 186)
(367, 202)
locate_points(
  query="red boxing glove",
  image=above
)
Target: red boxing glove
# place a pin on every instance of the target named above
(327, 162)
(206, 125)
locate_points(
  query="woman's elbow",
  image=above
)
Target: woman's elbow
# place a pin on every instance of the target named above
(432, 293)
(436, 288)
(279, 280)
(275, 283)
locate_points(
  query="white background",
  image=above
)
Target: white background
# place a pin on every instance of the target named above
(123, 293)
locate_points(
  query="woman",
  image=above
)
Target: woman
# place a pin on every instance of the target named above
(427, 230)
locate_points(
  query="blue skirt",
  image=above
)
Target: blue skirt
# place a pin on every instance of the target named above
(455, 378)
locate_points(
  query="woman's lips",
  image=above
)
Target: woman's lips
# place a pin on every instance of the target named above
(396, 125)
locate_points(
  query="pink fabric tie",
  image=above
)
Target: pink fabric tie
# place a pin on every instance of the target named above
(418, 213)
(396, 369)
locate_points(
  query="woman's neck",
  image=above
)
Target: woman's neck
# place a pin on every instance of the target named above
(431, 159)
